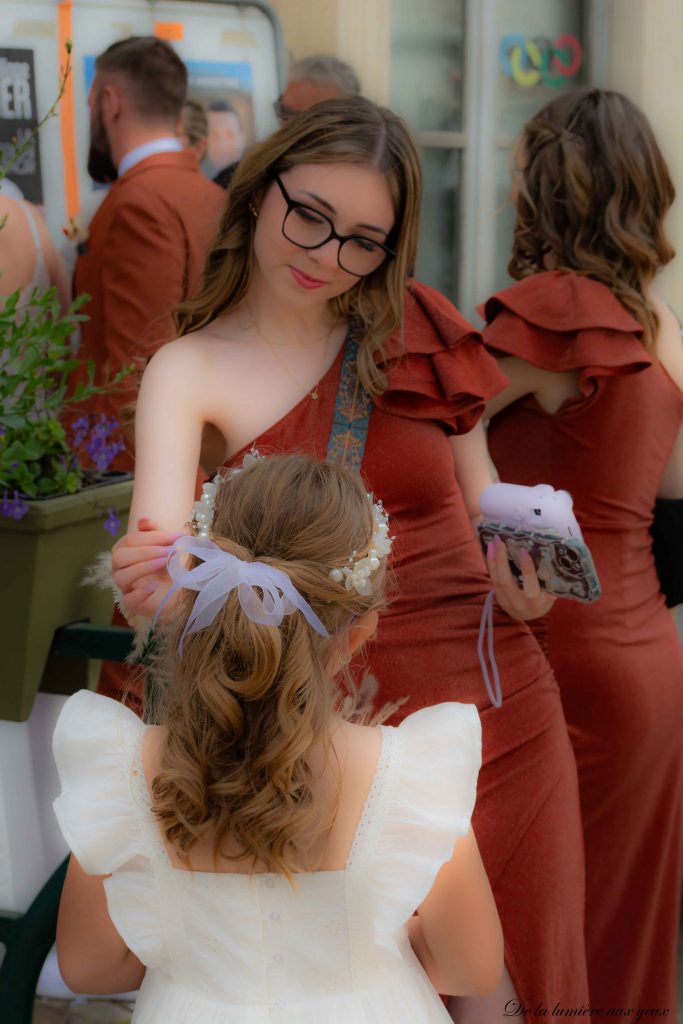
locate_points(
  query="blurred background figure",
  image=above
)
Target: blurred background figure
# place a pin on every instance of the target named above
(28, 257)
(226, 140)
(146, 245)
(193, 128)
(9, 189)
(312, 80)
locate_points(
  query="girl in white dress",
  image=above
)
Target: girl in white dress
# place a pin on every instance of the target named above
(256, 856)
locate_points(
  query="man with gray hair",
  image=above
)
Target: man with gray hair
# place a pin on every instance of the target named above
(312, 80)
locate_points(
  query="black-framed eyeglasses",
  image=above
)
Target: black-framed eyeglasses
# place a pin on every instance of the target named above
(282, 112)
(310, 229)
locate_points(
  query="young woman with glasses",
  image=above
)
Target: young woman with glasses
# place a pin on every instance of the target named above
(307, 336)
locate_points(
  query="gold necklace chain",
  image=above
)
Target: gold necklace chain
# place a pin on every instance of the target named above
(274, 350)
(284, 344)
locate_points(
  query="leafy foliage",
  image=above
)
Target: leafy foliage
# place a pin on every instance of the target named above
(41, 382)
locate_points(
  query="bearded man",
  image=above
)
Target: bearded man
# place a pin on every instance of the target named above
(147, 242)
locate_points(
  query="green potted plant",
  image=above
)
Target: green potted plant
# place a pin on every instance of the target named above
(56, 493)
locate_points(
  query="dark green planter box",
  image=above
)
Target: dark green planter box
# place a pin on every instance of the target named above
(44, 557)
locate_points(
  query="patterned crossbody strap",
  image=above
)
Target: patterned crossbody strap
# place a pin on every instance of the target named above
(352, 409)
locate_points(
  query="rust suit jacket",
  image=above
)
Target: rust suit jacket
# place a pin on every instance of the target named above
(145, 252)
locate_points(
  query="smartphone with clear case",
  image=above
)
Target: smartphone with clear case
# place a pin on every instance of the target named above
(564, 565)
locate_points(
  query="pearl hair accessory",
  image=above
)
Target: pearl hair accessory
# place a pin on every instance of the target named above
(355, 575)
(203, 511)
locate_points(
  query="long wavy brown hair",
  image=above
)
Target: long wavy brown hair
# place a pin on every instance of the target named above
(593, 193)
(244, 703)
(351, 130)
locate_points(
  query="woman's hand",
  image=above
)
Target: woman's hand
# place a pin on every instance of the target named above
(529, 601)
(139, 567)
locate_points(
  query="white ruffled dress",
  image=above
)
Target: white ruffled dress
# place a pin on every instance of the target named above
(224, 948)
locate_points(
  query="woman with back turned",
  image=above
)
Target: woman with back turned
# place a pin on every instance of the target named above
(595, 406)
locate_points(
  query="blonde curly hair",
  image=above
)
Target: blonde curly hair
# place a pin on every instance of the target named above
(245, 703)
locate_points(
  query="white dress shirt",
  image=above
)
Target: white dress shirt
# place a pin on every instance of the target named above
(168, 144)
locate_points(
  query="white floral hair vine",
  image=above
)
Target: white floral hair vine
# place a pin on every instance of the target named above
(355, 575)
(203, 511)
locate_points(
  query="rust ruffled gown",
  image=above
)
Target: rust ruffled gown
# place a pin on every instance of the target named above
(527, 813)
(619, 662)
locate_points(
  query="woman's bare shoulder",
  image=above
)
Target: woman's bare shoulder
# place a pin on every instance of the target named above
(186, 354)
(221, 341)
(669, 341)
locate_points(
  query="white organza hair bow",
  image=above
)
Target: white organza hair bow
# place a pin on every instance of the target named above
(220, 573)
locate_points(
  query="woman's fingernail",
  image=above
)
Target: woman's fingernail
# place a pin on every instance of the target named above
(489, 550)
(160, 561)
(177, 536)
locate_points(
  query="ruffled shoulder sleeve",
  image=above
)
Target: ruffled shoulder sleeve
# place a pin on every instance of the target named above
(95, 746)
(438, 367)
(432, 784)
(560, 321)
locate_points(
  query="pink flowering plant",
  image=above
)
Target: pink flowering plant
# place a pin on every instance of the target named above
(46, 447)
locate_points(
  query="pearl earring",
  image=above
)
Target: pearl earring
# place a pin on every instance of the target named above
(254, 211)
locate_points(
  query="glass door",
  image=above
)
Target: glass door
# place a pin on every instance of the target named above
(541, 50)
(427, 89)
(466, 75)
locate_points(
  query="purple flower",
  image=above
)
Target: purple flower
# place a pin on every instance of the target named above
(104, 427)
(100, 447)
(112, 522)
(13, 508)
(80, 429)
(103, 454)
(100, 438)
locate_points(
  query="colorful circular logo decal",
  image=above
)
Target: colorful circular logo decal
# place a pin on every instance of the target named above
(531, 62)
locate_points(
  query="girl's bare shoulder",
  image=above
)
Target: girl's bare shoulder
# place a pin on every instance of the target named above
(357, 744)
(152, 746)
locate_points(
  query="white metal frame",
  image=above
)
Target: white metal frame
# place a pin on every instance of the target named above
(478, 194)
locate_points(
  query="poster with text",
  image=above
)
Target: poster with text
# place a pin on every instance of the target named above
(18, 118)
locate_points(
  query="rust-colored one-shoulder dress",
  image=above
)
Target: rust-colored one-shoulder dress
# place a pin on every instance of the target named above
(527, 813)
(619, 662)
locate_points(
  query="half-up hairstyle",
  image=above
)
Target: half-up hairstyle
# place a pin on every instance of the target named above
(594, 191)
(244, 703)
(352, 130)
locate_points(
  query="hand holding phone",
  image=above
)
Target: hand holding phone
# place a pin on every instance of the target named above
(541, 521)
